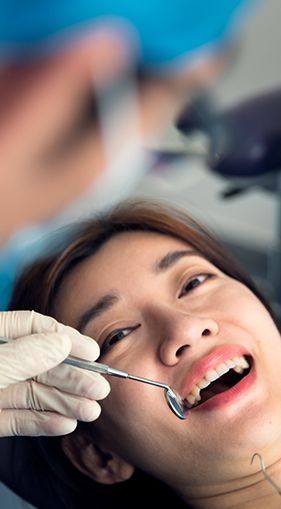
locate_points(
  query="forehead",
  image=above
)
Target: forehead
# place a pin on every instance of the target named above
(135, 249)
(124, 255)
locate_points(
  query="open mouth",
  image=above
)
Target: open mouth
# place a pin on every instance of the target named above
(218, 380)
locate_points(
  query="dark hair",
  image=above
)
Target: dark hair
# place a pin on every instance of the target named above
(38, 287)
(39, 284)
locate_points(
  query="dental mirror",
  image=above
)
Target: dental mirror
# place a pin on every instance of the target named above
(175, 402)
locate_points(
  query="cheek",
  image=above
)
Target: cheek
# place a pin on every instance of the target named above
(256, 318)
(137, 424)
(240, 306)
(126, 415)
(132, 409)
(130, 402)
(243, 310)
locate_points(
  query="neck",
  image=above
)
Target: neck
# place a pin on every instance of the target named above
(253, 491)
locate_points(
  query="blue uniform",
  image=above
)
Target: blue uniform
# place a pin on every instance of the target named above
(164, 30)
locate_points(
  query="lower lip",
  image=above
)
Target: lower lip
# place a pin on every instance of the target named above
(229, 396)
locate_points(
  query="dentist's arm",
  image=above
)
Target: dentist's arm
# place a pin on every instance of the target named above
(38, 394)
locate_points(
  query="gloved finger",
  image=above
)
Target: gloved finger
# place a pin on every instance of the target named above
(83, 347)
(76, 381)
(34, 396)
(30, 356)
(16, 324)
(33, 423)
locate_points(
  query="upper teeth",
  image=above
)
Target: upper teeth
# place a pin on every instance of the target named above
(238, 364)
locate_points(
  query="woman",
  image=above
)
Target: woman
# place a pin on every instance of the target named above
(165, 301)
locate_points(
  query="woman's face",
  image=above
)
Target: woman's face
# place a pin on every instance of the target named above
(160, 310)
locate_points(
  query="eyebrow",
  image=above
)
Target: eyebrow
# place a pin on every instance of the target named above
(172, 258)
(108, 300)
(103, 304)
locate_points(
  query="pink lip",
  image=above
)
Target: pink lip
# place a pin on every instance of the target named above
(200, 368)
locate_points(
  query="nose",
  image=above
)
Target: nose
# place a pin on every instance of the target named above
(182, 332)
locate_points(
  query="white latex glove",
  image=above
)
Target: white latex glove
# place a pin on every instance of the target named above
(38, 395)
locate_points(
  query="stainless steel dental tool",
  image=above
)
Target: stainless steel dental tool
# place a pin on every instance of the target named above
(265, 474)
(174, 400)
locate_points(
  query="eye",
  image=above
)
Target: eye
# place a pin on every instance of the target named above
(116, 336)
(193, 282)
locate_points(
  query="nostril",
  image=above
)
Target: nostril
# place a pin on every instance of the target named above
(181, 350)
(206, 332)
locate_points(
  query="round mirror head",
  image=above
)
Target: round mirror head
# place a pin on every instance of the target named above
(176, 403)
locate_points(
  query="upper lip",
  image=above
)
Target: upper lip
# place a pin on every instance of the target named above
(199, 368)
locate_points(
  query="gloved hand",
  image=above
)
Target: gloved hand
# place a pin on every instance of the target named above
(38, 395)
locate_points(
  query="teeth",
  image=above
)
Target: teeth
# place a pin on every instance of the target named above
(195, 391)
(230, 363)
(238, 369)
(241, 362)
(212, 375)
(190, 399)
(203, 383)
(238, 364)
(222, 369)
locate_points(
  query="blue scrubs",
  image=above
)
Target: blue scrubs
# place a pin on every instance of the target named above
(165, 29)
